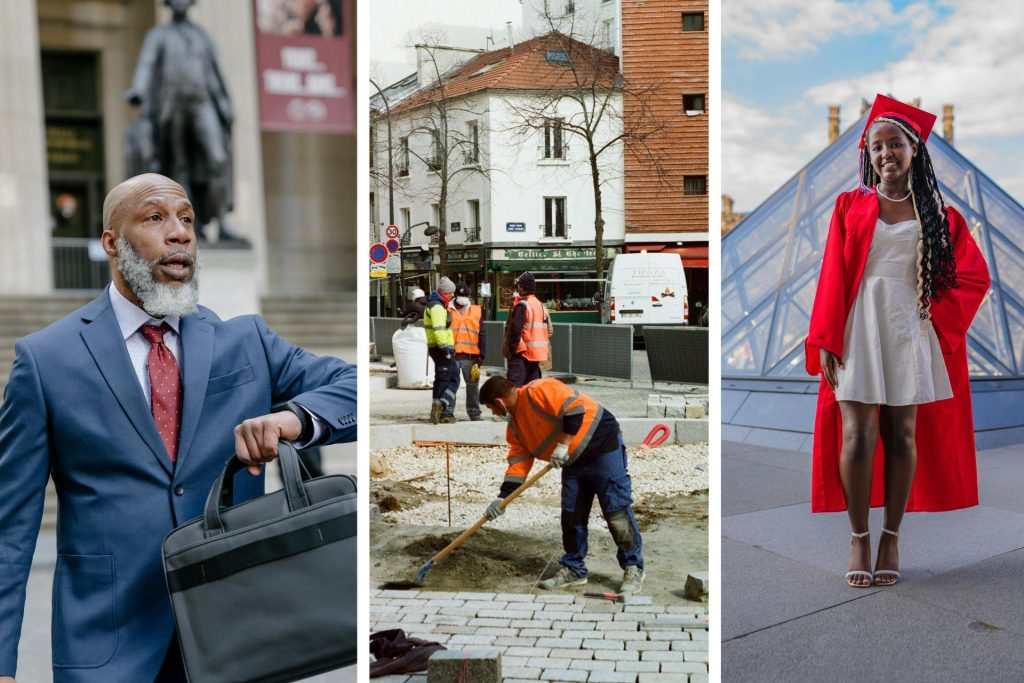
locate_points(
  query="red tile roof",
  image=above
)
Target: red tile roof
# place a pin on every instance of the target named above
(525, 67)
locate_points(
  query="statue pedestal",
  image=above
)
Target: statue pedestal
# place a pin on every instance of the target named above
(230, 281)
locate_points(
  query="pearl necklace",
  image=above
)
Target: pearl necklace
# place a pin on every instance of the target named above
(901, 199)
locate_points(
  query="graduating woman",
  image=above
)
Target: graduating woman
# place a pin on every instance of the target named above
(900, 283)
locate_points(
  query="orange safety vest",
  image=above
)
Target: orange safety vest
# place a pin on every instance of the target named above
(537, 424)
(466, 328)
(533, 345)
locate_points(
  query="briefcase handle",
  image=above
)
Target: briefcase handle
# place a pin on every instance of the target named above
(222, 494)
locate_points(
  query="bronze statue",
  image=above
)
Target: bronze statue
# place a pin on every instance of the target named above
(184, 125)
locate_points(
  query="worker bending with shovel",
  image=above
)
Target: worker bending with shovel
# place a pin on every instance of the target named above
(548, 420)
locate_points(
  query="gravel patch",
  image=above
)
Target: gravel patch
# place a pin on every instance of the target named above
(477, 472)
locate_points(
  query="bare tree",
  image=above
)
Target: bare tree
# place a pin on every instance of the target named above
(433, 114)
(586, 103)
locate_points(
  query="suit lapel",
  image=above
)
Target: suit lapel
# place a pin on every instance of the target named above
(102, 337)
(197, 357)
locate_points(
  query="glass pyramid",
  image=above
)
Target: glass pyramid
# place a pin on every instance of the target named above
(770, 264)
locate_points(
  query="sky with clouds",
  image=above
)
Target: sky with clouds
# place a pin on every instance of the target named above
(785, 61)
(395, 25)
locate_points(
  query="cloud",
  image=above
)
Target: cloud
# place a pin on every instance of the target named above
(762, 149)
(783, 29)
(972, 58)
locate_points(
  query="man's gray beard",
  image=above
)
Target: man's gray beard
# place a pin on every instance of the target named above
(156, 298)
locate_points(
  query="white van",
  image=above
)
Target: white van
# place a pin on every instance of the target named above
(645, 289)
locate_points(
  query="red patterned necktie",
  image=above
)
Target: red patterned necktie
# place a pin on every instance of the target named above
(164, 386)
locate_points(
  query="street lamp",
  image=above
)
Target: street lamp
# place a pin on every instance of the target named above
(428, 231)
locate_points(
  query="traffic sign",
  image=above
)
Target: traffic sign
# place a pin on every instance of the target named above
(394, 264)
(391, 231)
(379, 253)
(392, 246)
(378, 270)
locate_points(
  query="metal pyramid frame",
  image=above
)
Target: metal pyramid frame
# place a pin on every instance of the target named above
(770, 264)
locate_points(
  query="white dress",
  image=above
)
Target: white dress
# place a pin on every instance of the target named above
(891, 357)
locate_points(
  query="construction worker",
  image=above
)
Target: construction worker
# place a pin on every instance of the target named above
(550, 421)
(441, 348)
(526, 341)
(468, 331)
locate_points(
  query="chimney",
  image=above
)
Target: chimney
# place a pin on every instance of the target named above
(511, 43)
(864, 106)
(947, 123)
(726, 205)
(833, 123)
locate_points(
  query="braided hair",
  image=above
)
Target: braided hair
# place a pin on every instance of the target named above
(936, 265)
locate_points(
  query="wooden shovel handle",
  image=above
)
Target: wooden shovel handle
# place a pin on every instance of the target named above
(483, 520)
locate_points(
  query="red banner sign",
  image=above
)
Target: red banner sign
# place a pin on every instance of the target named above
(304, 60)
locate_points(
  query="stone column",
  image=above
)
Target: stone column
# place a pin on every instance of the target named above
(26, 262)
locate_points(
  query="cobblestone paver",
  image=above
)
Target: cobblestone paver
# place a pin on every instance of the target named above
(555, 636)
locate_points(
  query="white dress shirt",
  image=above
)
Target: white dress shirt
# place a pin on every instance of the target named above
(130, 318)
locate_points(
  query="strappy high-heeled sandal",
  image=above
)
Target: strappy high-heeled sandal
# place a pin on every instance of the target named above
(887, 572)
(859, 572)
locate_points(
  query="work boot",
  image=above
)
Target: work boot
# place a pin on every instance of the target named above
(436, 408)
(632, 581)
(563, 578)
(447, 420)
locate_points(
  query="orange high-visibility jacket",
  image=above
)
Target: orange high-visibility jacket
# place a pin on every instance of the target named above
(466, 328)
(533, 345)
(537, 424)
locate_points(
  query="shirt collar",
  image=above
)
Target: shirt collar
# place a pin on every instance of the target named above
(130, 317)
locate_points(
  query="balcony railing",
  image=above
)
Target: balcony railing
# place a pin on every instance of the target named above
(433, 163)
(559, 231)
(472, 235)
(554, 152)
(471, 156)
(402, 168)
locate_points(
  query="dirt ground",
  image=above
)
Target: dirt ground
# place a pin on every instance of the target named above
(674, 529)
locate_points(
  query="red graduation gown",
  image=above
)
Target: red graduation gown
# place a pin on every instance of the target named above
(947, 476)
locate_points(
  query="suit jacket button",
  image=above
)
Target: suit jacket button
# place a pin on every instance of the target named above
(179, 490)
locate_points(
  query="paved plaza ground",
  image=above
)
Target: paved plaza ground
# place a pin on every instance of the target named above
(957, 614)
(555, 636)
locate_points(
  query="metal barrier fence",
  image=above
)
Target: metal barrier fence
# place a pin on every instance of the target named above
(576, 348)
(677, 354)
(74, 267)
(602, 350)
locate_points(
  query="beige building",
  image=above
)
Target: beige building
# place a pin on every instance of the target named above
(64, 67)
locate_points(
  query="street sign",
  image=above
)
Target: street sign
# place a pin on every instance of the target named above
(392, 246)
(378, 270)
(394, 264)
(515, 227)
(391, 231)
(379, 253)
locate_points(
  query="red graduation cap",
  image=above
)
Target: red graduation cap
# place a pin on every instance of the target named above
(921, 120)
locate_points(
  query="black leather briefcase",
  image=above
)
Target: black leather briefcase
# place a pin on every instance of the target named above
(265, 591)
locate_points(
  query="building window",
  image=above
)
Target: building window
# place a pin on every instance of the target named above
(403, 157)
(434, 160)
(570, 7)
(693, 21)
(404, 221)
(695, 184)
(693, 103)
(473, 218)
(609, 34)
(557, 56)
(472, 151)
(554, 218)
(554, 143)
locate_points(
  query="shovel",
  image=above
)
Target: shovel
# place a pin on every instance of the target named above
(422, 573)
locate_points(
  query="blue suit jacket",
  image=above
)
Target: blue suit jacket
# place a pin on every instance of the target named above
(73, 409)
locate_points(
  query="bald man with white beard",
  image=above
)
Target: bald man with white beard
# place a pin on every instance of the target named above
(132, 404)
